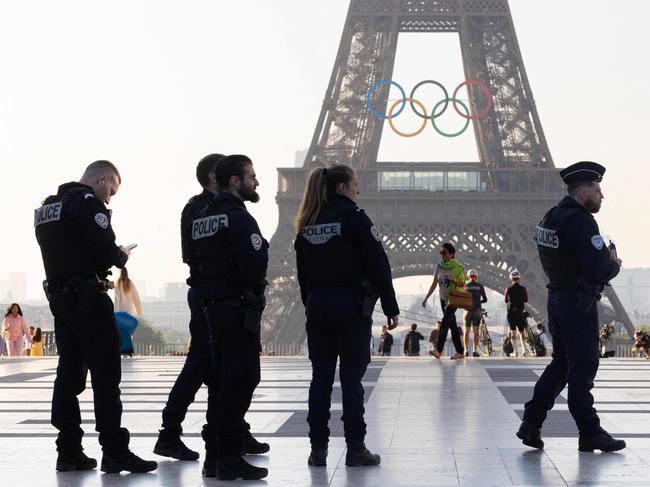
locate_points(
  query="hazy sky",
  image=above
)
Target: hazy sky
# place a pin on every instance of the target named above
(155, 85)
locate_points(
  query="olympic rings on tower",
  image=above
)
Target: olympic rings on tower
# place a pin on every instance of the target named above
(435, 113)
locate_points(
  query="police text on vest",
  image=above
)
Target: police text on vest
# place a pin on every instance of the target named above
(208, 226)
(546, 237)
(48, 213)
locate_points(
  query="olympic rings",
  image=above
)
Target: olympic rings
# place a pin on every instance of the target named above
(372, 89)
(424, 122)
(434, 113)
(487, 91)
(446, 100)
(454, 134)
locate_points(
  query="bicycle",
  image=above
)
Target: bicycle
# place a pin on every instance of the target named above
(534, 342)
(484, 334)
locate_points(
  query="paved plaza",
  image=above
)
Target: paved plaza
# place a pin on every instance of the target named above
(434, 423)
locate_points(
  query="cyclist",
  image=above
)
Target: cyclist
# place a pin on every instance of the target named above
(473, 316)
(516, 297)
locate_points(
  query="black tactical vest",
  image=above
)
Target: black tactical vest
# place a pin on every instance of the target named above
(210, 244)
(197, 204)
(64, 252)
(328, 251)
(557, 254)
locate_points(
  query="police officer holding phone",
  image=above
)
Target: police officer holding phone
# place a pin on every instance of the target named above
(73, 229)
(342, 270)
(232, 257)
(578, 265)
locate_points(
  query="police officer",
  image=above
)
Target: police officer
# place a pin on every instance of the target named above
(73, 230)
(197, 363)
(516, 297)
(578, 264)
(232, 257)
(342, 269)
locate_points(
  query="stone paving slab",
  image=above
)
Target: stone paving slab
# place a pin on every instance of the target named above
(434, 423)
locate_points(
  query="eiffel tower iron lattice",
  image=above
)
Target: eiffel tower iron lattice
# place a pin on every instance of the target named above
(488, 209)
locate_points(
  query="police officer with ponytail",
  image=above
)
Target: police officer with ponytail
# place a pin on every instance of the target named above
(342, 270)
(578, 265)
(232, 257)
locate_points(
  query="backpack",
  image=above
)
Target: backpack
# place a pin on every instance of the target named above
(507, 346)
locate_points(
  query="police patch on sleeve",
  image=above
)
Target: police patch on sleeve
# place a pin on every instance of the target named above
(256, 240)
(598, 242)
(101, 220)
(375, 233)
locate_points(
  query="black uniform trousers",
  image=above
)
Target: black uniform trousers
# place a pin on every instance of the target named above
(193, 375)
(235, 373)
(449, 323)
(194, 372)
(575, 361)
(87, 340)
(336, 329)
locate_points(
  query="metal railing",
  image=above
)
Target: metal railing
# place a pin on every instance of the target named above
(270, 350)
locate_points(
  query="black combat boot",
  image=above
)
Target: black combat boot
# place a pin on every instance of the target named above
(234, 467)
(318, 455)
(210, 465)
(530, 435)
(359, 456)
(254, 447)
(602, 441)
(169, 444)
(67, 462)
(128, 461)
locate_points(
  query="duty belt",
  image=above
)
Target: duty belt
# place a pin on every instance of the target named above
(59, 286)
(66, 285)
(233, 303)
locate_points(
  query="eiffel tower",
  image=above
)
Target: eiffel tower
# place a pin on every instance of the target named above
(488, 209)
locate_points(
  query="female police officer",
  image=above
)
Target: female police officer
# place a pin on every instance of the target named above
(342, 269)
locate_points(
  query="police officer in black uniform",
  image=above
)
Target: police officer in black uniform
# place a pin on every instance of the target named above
(197, 363)
(578, 265)
(232, 257)
(342, 270)
(73, 230)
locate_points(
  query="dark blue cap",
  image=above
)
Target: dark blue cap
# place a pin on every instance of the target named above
(582, 171)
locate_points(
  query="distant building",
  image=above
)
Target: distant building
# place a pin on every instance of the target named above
(18, 285)
(167, 314)
(299, 157)
(633, 289)
(175, 292)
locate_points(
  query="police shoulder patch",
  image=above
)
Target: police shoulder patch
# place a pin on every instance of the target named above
(598, 242)
(375, 233)
(256, 241)
(101, 220)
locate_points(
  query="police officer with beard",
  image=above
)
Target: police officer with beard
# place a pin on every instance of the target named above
(578, 265)
(342, 270)
(73, 230)
(197, 363)
(232, 257)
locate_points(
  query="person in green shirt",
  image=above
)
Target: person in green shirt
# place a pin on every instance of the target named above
(449, 275)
